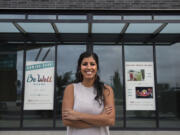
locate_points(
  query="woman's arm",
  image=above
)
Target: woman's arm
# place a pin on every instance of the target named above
(107, 117)
(76, 124)
(68, 103)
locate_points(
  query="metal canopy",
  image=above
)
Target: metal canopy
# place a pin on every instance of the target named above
(80, 37)
(22, 28)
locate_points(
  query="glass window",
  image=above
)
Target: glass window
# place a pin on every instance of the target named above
(7, 27)
(72, 27)
(39, 118)
(66, 69)
(107, 27)
(130, 17)
(11, 74)
(13, 16)
(104, 17)
(110, 60)
(53, 17)
(163, 17)
(37, 27)
(139, 118)
(171, 28)
(168, 85)
(72, 17)
(142, 27)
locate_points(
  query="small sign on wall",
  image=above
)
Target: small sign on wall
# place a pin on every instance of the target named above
(39, 85)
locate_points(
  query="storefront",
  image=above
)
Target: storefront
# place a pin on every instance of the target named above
(132, 46)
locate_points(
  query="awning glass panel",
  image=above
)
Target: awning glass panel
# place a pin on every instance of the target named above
(72, 27)
(37, 27)
(7, 27)
(98, 17)
(142, 27)
(107, 27)
(171, 28)
(137, 17)
(53, 17)
(9, 16)
(167, 17)
(72, 17)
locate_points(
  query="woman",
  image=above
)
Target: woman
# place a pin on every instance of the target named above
(88, 104)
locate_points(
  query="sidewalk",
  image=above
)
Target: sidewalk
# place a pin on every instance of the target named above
(112, 132)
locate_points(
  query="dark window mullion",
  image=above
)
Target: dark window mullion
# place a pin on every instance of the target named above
(155, 86)
(55, 94)
(23, 89)
(89, 47)
(124, 87)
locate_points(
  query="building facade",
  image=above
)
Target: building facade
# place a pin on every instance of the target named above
(137, 42)
(91, 4)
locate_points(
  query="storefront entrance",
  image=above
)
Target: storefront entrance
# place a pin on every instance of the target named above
(117, 38)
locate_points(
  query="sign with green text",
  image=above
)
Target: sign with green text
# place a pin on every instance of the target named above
(39, 85)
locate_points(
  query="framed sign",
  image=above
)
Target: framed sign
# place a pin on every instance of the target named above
(140, 93)
(39, 85)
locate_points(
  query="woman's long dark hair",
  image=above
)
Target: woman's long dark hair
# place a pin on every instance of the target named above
(98, 85)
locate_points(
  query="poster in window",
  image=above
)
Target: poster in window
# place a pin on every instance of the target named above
(39, 85)
(140, 93)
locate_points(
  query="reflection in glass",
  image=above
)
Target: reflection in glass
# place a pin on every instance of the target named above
(42, 17)
(107, 27)
(66, 69)
(39, 118)
(138, 53)
(168, 85)
(104, 17)
(7, 27)
(139, 118)
(72, 17)
(142, 27)
(137, 17)
(11, 70)
(9, 16)
(72, 27)
(163, 17)
(110, 60)
(37, 27)
(171, 28)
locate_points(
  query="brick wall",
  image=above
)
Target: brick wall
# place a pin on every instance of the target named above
(92, 4)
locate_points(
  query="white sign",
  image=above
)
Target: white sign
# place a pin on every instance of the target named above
(39, 85)
(140, 93)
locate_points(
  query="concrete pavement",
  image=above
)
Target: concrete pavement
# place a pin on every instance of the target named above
(112, 132)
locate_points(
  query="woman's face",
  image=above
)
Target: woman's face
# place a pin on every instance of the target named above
(88, 68)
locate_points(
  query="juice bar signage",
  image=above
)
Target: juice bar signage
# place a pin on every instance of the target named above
(140, 93)
(39, 85)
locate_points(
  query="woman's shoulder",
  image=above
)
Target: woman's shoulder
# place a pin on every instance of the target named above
(106, 86)
(71, 85)
(107, 89)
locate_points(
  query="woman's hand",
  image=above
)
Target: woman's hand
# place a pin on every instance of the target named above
(107, 110)
(69, 114)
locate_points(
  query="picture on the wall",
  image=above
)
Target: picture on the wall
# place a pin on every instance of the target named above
(144, 92)
(136, 75)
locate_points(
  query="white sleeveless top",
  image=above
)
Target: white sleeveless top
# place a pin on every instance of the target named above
(84, 102)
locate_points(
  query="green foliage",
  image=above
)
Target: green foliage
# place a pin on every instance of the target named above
(116, 85)
(62, 81)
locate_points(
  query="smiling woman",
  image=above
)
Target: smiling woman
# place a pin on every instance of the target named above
(89, 68)
(88, 105)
